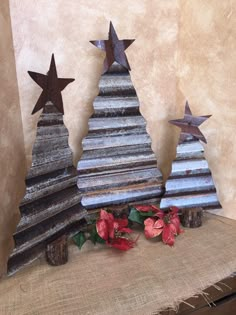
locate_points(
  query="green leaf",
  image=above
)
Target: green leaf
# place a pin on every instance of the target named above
(135, 216)
(79, 239)
(147, 214)
(95, 238)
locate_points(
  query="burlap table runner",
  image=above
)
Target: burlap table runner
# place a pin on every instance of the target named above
(149, 278)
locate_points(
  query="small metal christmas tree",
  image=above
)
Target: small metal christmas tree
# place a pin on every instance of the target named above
(190, 185)
(118, 165)
(51, 207)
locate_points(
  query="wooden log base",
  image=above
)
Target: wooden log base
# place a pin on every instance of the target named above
(191, 217)
(57, 252)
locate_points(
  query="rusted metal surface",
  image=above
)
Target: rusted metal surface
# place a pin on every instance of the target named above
(114, 48)
(189, 124)
(190, 184)
(118, 165)
(51, 207)
(52, 87)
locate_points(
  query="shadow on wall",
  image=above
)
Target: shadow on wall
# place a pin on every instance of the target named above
(12, 154)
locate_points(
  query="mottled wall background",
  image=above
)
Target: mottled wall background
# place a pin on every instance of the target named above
(12, 155)
(184, 49)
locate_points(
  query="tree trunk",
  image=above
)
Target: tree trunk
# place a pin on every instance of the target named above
(57, 251)
(191, 217)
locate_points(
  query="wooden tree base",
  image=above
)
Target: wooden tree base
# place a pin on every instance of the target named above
(191, 217)
(57, 251)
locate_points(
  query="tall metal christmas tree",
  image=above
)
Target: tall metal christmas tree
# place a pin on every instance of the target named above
(118, 165)
(51, 207)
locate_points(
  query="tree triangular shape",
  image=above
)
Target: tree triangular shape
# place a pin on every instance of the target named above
(190, 184)
(51, 206)
(118, 165)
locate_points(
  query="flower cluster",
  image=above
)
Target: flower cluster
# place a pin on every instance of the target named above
(115, 232)
(166, 224)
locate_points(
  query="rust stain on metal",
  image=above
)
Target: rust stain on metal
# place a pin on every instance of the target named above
(190, 124)
(52, 87)
(114, 48)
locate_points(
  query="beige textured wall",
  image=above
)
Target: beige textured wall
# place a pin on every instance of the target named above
(207, 77)
(183, 49)
(12, 155)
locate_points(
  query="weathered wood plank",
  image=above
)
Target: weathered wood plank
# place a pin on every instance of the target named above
(228, 287)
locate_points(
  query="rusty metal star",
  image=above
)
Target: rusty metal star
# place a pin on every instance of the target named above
(189, 124)
(52, 87)
(114, 48)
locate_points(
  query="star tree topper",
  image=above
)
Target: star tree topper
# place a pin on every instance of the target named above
(189, 124)
(114, 48)
(52, 87)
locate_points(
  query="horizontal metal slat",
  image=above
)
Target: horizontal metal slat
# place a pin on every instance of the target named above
(115, 106)
(42, 186)
(50, 144)
(54, 131)
(86, 184)
(116, 85)
(190, 150)
(121, 196)
(189, 168)
(44, 230)
(185, 185)
(126, 122)
(208, 200)
(115, 162)
(42, 209)
(50, 119)
(118, 151)
(45, 163)
(115, 141)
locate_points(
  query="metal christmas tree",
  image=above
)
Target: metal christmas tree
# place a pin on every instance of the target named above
(190, 185)
(51, 207)
(118, 165)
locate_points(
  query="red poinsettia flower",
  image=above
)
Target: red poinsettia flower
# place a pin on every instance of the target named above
(168, 226)
(123, 243)
(150, 208)
(112, 230)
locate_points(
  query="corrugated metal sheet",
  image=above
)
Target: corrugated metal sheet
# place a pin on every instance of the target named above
(118, 165)
(51, 206)
(190, 183)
